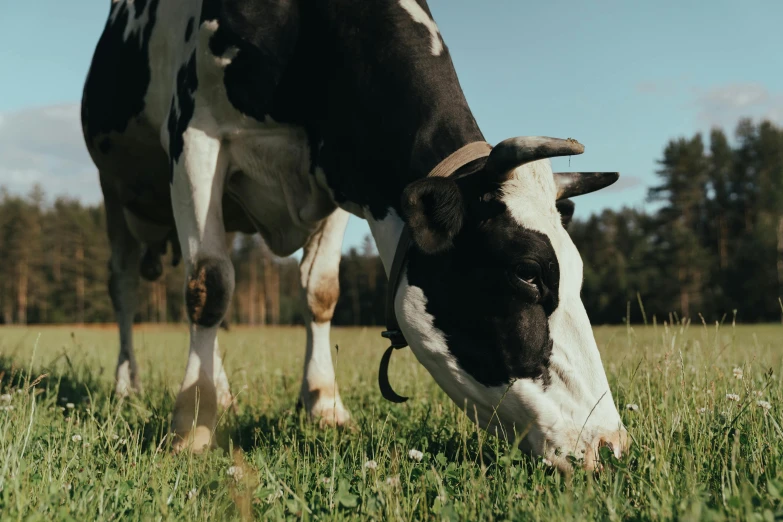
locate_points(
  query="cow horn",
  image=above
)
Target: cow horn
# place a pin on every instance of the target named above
(514, 152)
(570, 184)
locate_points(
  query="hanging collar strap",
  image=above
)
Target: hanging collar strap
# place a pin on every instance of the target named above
(444, 169)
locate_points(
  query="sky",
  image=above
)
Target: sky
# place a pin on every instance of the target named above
(621, 77)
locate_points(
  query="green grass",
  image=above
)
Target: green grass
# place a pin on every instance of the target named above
(109, 460)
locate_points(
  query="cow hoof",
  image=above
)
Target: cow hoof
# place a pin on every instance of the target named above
(125, 384)
(197, 441)
(125, 389)
(329, 412)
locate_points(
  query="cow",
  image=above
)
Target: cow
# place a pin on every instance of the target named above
(285, 116)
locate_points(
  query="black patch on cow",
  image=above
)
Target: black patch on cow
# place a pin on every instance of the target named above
(566, 208)
(495, 324)
(105, 145)
(139, 6)
(207, 293)
(119, 75)
(210, 10)
(189, 28)
(264, 37)
(182, 107)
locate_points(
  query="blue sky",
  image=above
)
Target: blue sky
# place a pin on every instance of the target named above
(621, 77)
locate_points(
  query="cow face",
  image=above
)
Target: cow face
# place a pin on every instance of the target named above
(491, 306)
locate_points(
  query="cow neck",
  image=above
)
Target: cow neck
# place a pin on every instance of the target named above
(446, 168)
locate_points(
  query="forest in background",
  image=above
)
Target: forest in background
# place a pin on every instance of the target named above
(713, 245)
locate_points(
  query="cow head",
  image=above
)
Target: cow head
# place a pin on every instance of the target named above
(490, 302)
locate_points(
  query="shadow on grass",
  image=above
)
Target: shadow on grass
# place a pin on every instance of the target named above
(78, 386)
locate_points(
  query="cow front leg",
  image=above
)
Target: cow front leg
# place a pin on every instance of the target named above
(319, 270)
(197, 191)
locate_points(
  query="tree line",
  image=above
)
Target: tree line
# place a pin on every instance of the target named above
(55, 270)
(712, 246)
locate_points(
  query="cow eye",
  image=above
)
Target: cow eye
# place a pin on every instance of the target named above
(528, 272)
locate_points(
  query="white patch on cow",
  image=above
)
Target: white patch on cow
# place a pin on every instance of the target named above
(136, 22)
(578, 374)
(226, 58)
(419, 15)
(386, 233)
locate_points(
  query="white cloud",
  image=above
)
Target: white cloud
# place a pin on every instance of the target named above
(738, 95)
(44, 145)
(726, 104)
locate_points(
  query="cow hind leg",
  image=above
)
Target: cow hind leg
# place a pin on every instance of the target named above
(196, 198)
(123, 290)
(319, 272)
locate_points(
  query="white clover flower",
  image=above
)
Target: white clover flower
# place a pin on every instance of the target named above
(393, 481)
(192, 494)
(6, 397)
(70, 406)
(732, 397)
(416, 455)
(737, 373)
(632, 407)
(702, 410)
(371, 464)
(76, 438)
(274, 496)
(764, 405)
(236, 472)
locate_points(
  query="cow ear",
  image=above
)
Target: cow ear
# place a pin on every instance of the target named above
(566, 209)
(433, 209)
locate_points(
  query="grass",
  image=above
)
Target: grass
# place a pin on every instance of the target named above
(70, 451)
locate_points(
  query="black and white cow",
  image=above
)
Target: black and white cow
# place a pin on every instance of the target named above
(282, 116)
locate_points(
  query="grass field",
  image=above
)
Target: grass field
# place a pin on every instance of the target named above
(69, 451)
